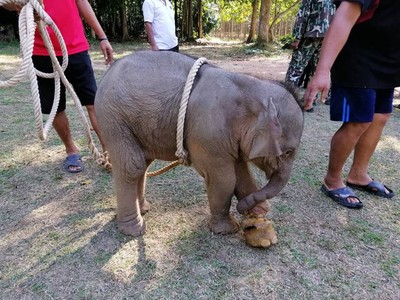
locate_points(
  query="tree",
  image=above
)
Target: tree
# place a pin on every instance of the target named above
(187, 22)
(254, 18)
(200, 19)
(282, 8)
(263, 28)
(124, 22)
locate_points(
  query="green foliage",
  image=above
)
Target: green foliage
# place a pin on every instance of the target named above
(110, 15)
(210, 17)
(284, 10)
(238, 11)
(286, 40)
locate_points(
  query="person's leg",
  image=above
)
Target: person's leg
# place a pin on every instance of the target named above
(61, 125)
(300, 59)
(80, 74)
(93, 121)
(60, 122)
(296, 67)
(342, 144)
(367, 143)
(355, 108)
(364, 149)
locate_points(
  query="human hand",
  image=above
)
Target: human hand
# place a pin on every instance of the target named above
(107, 50)
(154, 47)
(320, 82)
(13, 7)
(295, 44)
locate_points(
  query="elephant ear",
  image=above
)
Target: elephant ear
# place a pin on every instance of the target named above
(263, 140)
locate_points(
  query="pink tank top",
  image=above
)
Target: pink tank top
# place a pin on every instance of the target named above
(66, 16)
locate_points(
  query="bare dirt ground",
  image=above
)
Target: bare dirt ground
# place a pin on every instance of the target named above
(58, 238)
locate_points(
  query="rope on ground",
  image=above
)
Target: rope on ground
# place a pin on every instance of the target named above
(181, 153)
(27, 27)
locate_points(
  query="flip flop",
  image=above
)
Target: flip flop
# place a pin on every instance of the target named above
(374, 187)
(73, 160)
(341, 196)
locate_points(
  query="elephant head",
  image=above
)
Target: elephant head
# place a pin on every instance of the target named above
(272, 143)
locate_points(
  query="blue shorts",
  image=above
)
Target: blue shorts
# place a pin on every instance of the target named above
(79, 73)
(359, 104)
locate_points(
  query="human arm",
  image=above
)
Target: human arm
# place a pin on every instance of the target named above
(345, 17)
(87, 13)
(150, 35)
(148, 16)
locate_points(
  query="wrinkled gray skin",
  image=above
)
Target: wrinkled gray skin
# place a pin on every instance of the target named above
(231, 120)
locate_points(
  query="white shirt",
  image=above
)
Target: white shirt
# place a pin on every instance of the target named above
(161, 16)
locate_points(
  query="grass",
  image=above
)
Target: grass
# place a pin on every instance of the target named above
(58, 238)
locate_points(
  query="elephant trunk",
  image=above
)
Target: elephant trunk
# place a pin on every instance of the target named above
(277, 182)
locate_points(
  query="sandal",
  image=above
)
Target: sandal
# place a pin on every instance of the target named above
(374, 187)
(73, 160)
(341, 196)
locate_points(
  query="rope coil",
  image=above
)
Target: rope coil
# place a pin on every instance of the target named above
(27, 28)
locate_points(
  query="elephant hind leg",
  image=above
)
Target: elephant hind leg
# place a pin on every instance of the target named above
(129, 169)
(133, 228)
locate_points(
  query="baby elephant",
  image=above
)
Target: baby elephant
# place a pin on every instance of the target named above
(231, 120)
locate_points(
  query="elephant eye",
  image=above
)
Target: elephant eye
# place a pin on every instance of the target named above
(289, 152)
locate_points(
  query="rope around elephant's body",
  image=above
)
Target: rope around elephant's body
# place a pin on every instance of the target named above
(181, 153)
(27, 28)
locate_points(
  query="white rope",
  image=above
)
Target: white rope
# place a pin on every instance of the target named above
(27, 28)
(181, 153)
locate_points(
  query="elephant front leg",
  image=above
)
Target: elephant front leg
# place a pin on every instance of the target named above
(220, 189)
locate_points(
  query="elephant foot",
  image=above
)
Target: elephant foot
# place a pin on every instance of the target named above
(133, 228)
(144, 207)
(224, 226)
(257, 229)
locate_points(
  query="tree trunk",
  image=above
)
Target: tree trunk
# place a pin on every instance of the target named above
(113, 25)
(190, 20)
(254, 17)
(124, 21)
(200, 14)
(184, 20)
(263, 28)
(187, 20)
